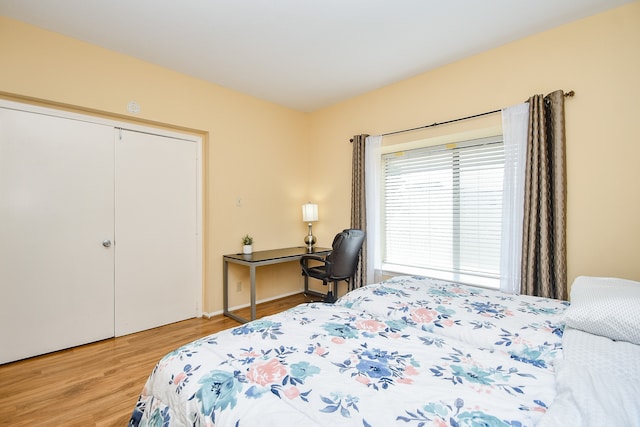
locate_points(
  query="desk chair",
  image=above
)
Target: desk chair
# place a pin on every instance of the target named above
(338, 265)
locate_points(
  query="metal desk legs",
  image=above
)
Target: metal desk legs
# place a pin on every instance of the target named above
(252, 274)
(225, 293)
(225, 287)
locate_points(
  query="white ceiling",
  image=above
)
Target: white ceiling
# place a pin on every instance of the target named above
(302, 54)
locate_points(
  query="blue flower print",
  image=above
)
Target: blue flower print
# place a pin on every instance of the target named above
(267, 328)
(219, 390)
(255, 392)
(451, 415)
(376, 354)
(532, 356)
(260, 325)
(245, 329)
(373, 368)
(479, 419)
(495, 310)
(340, 330)
(378, 368)
(384, 290)
(474, 374)
(444, 292)
(439, 410)
(303, 370)
(396, 325)
(340, 403)
(160, 418)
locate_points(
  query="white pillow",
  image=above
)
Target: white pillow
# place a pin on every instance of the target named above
(607, 307)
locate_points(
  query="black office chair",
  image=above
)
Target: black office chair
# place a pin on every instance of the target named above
(338, 265)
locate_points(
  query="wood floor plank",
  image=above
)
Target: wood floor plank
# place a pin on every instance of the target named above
(98, 384)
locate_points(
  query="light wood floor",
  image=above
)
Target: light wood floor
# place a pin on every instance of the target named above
(98, 384)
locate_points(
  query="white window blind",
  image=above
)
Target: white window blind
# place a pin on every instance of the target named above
(442, 209)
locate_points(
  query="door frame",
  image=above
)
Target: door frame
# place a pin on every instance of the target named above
(126, 125)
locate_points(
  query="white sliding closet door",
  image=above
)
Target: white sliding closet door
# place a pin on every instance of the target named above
(56, 209)
(156, 231)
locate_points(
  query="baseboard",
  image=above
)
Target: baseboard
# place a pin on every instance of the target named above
(215, 313)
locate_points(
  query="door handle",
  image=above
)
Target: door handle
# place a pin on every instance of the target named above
(106, 243)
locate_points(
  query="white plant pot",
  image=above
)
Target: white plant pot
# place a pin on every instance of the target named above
(247, 249)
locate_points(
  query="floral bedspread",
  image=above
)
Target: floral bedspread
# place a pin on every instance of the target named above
(408, 351)
(528, 328)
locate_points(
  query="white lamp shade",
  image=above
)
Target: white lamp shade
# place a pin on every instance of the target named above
(309, 212)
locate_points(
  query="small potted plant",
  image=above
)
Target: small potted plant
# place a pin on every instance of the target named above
(247, 241)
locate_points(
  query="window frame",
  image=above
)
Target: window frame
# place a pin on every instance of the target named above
(489, 136)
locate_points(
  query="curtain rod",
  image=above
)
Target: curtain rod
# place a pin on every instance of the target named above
(566, 94)
(442, 123)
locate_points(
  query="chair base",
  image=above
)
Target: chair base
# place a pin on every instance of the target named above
(329, 298)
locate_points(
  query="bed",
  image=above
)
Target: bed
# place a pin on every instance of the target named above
(407, 351)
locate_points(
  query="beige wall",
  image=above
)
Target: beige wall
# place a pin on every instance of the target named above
(253, 148)
(598, 57)
(258, 151)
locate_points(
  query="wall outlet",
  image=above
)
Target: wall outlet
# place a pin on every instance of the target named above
(238, 286)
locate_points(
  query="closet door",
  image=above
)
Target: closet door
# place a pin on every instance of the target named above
(56, 209)
(156, 231)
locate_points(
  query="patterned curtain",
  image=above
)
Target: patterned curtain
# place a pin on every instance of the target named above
(358, 204)
(544, 270)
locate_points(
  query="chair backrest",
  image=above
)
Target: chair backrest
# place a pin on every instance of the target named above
(344, 254)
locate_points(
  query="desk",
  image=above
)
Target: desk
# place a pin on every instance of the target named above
(257, 259)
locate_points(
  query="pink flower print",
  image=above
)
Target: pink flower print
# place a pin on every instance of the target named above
(438, 422)
(405, 381)
(292, 392)
(422, 315)
(410, 370)
(250, 354)
(447, 322)
(370, 325)
(337, 340)
(179, 378)
(363, 379)
(266, 373)
(320, 351)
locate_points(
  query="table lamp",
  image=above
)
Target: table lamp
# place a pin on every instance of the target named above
(309, 215)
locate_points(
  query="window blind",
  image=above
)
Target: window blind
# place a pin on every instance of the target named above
(442, 207)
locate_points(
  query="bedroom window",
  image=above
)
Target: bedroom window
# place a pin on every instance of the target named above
(442, 209)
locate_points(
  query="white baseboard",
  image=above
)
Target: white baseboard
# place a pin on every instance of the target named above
(215, 313)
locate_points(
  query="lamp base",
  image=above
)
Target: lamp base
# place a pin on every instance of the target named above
(310, 240)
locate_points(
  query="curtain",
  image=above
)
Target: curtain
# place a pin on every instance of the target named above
(358, 204)
(515, 121)
(544, 225)
(373, 196)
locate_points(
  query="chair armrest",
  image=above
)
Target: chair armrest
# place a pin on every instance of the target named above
(312, 257)
(304, 263)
